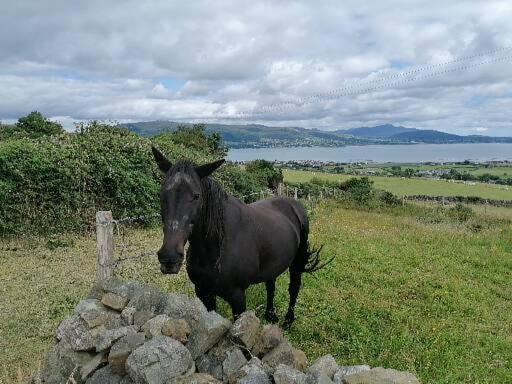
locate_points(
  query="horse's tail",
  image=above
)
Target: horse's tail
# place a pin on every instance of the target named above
(309, 257)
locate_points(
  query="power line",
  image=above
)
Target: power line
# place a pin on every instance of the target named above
(373, 85)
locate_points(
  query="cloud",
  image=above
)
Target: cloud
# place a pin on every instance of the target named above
(224, 61)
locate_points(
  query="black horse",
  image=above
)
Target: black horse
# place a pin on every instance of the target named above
(231, 244)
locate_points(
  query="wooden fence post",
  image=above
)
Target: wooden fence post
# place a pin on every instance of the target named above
(295, 194)
(104, 244)
(280, 189)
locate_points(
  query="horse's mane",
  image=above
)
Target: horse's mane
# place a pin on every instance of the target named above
(211, 216)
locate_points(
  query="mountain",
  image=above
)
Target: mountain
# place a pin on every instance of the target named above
(260, 136)
(380, 131)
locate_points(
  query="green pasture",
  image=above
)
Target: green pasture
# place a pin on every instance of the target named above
(412, 186)
(418, 288)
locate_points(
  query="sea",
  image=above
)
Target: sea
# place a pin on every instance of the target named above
(409, 153)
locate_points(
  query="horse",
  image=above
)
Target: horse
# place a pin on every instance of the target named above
(232, 245)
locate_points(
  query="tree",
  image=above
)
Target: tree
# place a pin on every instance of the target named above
(36, 125)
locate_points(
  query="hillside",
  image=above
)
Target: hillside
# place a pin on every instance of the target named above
(260, 136)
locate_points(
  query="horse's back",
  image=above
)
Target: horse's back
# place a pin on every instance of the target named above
(291, 209)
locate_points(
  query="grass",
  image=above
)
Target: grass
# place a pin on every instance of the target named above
(411, 288)
(414, 186)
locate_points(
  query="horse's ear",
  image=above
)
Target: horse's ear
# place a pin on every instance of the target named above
(207, 169)
(161, 160)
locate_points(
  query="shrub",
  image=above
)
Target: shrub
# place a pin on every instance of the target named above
(359, 190)
(57, 183)
(265, 172)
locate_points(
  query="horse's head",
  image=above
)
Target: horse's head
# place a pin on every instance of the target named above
(180, 202)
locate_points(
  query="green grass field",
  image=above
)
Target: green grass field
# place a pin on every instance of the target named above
(414, 186)
(409, 288)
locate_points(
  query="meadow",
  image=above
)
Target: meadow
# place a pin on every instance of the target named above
(420, 288)
(412, 186)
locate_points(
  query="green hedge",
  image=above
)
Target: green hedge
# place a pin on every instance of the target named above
(57, 183)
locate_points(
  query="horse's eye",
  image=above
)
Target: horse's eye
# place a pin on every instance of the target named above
(195, 196)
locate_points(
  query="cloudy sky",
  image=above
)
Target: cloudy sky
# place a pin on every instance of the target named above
(326, 64)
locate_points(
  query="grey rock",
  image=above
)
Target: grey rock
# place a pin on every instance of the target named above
(251, 373)
(116, 286)
(114, 301)
(147, 299)
(196, 378)
(92, 365)
(158, 361)
(105, 375)
(75, 332)
(153, 327)
(141, 317)
(325, 364)
(62, 362)
(121, 349)
(234, 360)
(95, 314)
(105, 338)
(211, 362)
(127, 315)
(285, 374)
(245, 330)
(320, 377)
(269, 338)
(179, 306)
(208, 331)
(347, 370)
(284, 353)
(381, 376)
(177, 329)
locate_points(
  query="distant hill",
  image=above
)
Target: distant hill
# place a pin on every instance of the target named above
(260, 136)
(380, 131)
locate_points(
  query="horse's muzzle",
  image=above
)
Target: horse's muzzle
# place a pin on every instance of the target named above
(170, 268)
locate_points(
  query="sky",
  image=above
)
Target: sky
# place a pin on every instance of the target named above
(443, 65)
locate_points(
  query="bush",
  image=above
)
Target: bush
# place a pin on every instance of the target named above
(265, 172)
(359, 190)
(57, 183)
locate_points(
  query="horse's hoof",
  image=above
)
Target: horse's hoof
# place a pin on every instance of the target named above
(271, 316)
(288, 321)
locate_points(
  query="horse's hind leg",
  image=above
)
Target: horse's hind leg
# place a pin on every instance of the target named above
(236, 299)
(270, 312)
(293, 289)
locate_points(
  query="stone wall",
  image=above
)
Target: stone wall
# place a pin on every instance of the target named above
(125, 333)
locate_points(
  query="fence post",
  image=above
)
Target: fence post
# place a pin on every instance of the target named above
(262, 195)
(280, 189)
(321, 195)
(295, 194)
(104, 244)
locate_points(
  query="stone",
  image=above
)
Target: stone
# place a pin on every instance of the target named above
(153, 327)
(114, 301)
(326, 364)
(158, 361)
(347, 370)
(318, 378)
(284, 353)
(245, 330)
(121, 349)
(177, 329)
(269, 338)
(105, 375)
(211, 362)
(234, 360)
(95, 314)
(208, 331)
(105, 338)
(114, 285)
(147, 299)
(179, 306)
(62, 362)
(252, 372)
(196, 378)
(127, 315)
(285, 374)
(75, 332)
(141, 317)
(381, 376)
(92, 365)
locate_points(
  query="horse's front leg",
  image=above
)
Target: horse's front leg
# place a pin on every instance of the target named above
(236, 299)
(208, 298)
